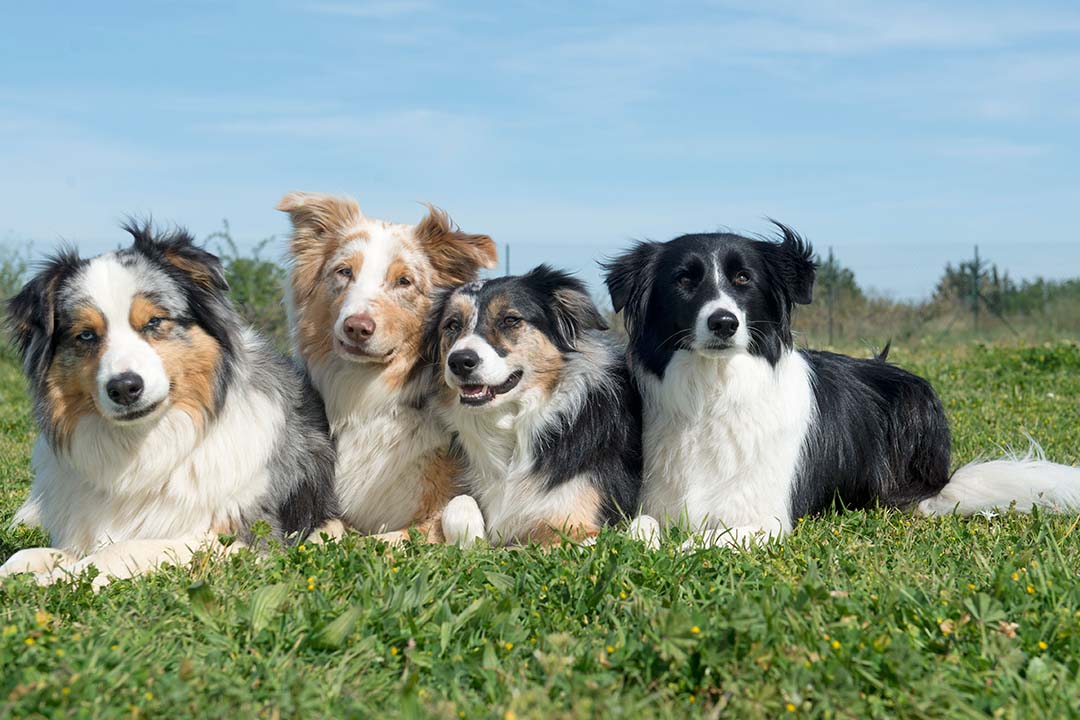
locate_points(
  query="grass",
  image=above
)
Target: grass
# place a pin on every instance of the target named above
(866, 614)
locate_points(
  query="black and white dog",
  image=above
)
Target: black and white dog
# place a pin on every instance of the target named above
(163, 419)
(542, 406)
(744, 434)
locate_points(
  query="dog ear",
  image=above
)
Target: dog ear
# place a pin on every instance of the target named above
(570, 308)
(629, 279)
(313, 215)
(799, 267)
(317, 220)
(31, 314)
(178, 248)
(431, 335)
(456, 255)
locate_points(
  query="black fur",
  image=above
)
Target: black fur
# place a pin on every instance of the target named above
(880, 436)
(602, 437)
(602, 440)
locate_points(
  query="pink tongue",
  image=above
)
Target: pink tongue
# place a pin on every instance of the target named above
(473, 390)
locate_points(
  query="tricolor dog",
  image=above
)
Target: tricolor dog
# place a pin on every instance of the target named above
(359, 291)
(163, 420)
(541, 403)
(744, 433)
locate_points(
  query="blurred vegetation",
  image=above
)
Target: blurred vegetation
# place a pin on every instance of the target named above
(257, 285)
(973, 300)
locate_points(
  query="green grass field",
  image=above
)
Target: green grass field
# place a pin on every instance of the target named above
(869, 614)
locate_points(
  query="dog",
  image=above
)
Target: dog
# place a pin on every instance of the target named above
(542, 407)
(164, 421)
(359, 290)
(744, 434)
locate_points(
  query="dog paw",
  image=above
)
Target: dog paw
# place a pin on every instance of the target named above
(645, 529)
(462, 522)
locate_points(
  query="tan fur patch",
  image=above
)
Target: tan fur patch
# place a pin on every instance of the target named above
(71, 382)
(441, 483)
(142, 310)
(191, 363)
(577, 523)
(319, 226)
(533, 350)
(455, 255)
(201, 274)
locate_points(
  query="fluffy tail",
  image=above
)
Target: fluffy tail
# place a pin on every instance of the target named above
(1022, 482)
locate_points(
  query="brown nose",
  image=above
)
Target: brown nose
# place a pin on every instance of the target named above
(359, 327)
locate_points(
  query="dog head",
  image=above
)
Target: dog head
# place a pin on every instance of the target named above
(361, 287)
(496, 340)
(712, 294)
(127, 334)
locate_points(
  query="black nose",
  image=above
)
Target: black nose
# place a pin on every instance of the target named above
(723, 324)
(125, 388)
(463, 362)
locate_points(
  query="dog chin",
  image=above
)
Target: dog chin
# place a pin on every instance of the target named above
(355, 354)
(718, 351)
(134, 416)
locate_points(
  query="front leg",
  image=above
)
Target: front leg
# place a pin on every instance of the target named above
(35, 560)
(129, 558)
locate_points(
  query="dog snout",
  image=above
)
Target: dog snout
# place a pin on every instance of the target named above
(359, 327)
(723, 324)
(125, 389)
(463, 362)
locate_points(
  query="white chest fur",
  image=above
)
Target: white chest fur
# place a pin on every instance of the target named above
(383, 446)
(162, 480)
(723, 439)
(501, 473)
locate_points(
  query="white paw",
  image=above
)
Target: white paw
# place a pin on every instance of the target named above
(33, 560)
(645, 529)
(462, 521)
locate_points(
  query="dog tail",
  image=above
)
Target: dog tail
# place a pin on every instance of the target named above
(1022, 482)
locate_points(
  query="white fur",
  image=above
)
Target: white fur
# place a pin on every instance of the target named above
(703, 336)
(492, 370)
(498, 440)
(1021, 482)
(383, 445)
(723, 438)
(113, 286)
(161, 479)
(462, 521)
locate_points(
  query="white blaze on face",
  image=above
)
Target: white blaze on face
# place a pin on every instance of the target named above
(112, 287)
(491, 370)
(379, 245)
(703, 336)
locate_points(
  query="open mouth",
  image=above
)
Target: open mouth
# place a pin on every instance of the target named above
(476, 395)
(138, 414)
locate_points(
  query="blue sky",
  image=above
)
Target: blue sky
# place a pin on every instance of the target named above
(899, 134)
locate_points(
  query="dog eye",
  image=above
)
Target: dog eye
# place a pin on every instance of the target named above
(685, 280)
(404, 281)
(741, 278)
(452, 327)
(511, 321)
(87, 336)
(153, 323)
(345, 271)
